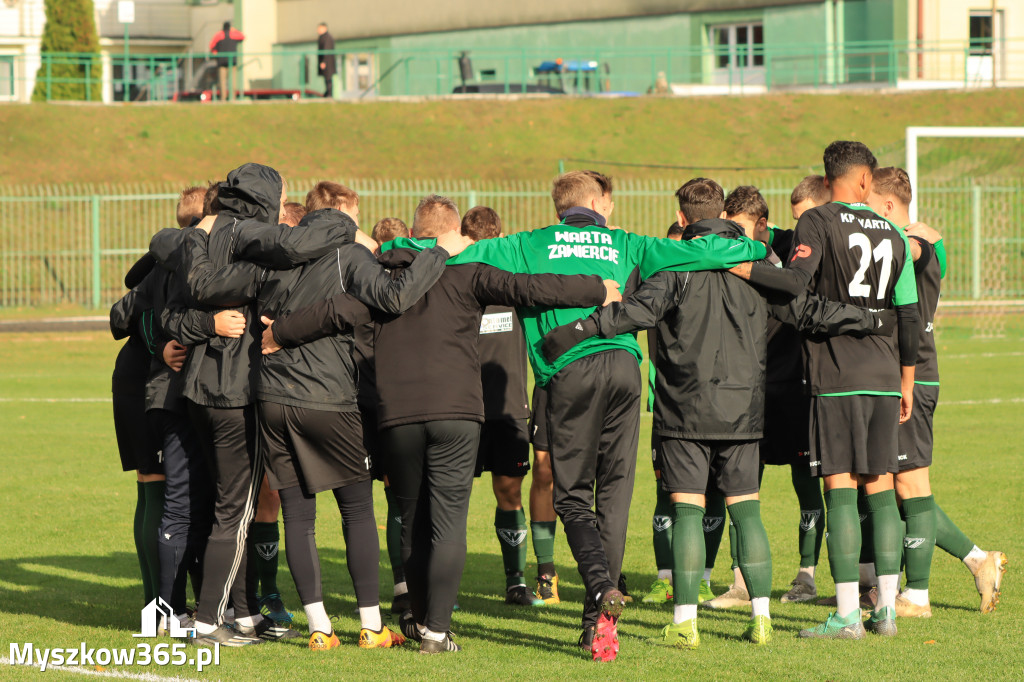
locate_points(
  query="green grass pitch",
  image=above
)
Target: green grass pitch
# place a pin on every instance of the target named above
(68, 572)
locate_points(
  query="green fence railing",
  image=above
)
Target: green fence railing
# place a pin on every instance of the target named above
(575, 70)
(73, 245)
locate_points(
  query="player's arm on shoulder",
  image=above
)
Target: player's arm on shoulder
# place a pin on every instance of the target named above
(364, 277)
(707, 253)
(493, 286)
(282, 247)
(232, 285)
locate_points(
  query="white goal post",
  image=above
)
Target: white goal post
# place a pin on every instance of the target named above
(916, 132)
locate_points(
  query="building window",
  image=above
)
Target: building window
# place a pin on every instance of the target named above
(981, 33)
(737, 46)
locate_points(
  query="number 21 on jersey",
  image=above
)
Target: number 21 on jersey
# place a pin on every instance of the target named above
(883, 252)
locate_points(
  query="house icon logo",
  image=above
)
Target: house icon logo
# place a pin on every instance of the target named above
(151, 615)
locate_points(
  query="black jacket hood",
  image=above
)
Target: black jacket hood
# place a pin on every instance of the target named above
(719, 226)
(252, 191)
(397, 258)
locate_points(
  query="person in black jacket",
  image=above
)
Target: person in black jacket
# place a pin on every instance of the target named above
(327, 61)
(431, 402)
(504, 436)
(709, 404)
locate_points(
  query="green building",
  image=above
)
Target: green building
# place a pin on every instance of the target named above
(399, 47)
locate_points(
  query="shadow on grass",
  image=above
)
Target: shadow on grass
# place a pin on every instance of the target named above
(78, 590)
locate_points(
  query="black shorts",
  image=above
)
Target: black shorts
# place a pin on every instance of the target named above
(371, 442)
(656, 457)
(504, 447)
(316, 449)
(138, 446)
(786, 427)
(915, 436)
(691, 465)
(854, 434)
(539, 420)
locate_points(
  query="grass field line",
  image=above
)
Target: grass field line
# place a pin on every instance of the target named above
(116, 674)
(964, 356)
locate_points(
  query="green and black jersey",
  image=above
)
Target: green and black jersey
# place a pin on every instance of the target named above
(852, 255)
(567, 249)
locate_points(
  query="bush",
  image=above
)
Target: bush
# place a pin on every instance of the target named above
(70, 53)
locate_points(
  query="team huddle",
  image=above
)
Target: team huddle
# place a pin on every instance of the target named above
(276, 351)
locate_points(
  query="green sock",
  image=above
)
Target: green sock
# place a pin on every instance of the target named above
(885, 531)
(714, 525)
(662, 525)
(543, 542)
(510, 527)
(266, 540)
(687, 552)
(949, 538)
(919, 541)
(812, 515)
(843, 534)
(867, 544)
(140, 542)
(755, 555)
(393, 536)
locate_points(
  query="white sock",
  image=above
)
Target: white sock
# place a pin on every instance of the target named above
(976, 554)
(868, 578)
(847, 599)
(434, 636)
(916, 597)
(369, 617)
(684, 613)
(807, 572)
(665, 574)
(316, 614)
(249, 621)
(401, 588)
(888, 586)
(707, 574)
(204, 628)
(759, 607)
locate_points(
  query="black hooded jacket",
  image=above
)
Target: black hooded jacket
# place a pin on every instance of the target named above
(712, 344)
(427, 363)
(222, 372)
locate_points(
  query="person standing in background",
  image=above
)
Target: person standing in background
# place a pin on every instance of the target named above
(328, 61)
(224, 44)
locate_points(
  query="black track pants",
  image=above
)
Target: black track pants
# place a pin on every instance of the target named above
(431, 468)
(594, 427)
(228, 439)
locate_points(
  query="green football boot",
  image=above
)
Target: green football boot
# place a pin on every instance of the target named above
(680, 635)
(660, 592)
(883, 622)
(705, 593)
(759, 630)
(835, 627)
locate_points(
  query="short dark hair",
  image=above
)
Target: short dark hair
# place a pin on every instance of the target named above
(294, 212)
(842, 156)
(811, 187)
(211, 206)
(481, 222)
(746, 199)
(894, 182)
(190, 205)
(675, 230)
(434, 216)
(701, 199)
(388, 229)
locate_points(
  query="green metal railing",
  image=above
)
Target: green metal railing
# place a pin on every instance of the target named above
(431, 72)
(74, 244)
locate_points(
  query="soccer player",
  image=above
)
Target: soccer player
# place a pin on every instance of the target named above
(593, 389)
(891, 194)
(861, 387)
(504, 436)
(388, 229)
(810, 192)
(431, 403)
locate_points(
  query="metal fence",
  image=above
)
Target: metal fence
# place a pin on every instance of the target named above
(291, 71)
(74, 244)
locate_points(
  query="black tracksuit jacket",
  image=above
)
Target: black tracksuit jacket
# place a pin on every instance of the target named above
(712, 344)
(427, 363)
